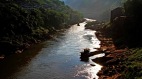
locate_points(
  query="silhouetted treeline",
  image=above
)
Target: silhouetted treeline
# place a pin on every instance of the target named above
(26, 21)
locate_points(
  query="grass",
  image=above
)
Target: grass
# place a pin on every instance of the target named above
(133, 64)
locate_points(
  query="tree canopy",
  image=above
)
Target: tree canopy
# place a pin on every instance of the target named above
(21, 17)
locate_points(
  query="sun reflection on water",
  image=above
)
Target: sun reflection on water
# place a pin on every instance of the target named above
(90, 69)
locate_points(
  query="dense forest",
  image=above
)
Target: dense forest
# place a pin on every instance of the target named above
(24, 22)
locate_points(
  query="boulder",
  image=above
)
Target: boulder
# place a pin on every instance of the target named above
(102, 60)
(117, 12)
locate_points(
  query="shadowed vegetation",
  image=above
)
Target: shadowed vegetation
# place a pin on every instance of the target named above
(133, 64)
(28, 21)
(125, 30)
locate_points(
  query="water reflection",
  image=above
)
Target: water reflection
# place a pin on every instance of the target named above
(17, 62)
(90, 69)
(58, 59)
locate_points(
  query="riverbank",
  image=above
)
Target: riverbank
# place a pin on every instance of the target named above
(118, 63)
(112, 61)
(17, 46)
(59, 56)
(24, 23)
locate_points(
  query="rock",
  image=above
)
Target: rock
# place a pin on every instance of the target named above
(114, 61)
(107, 53)
(86, 52)
(2, 57)
(78, 24)
(102, 60)
(26, 45)
(116, 13)
(84, 58)
(19, 51)
(85, 55)
(92, 64)
(117, 25)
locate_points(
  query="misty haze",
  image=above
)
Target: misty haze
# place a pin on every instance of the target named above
(96, 9)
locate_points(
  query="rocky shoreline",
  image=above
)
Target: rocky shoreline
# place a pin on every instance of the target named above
(120, 61)
(112, 61)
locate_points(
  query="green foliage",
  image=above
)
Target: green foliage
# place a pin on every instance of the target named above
(12, 20)
(26, 20)
(94, 25)
(74, 17)
(133, 64)
(18, 17)
(91, 23)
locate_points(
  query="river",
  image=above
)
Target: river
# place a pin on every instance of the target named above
(58, 58)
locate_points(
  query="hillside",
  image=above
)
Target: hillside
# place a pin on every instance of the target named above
(28, 21)
(97, 9)
(125, 29)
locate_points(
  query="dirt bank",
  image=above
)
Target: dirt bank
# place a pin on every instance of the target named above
(112, 61)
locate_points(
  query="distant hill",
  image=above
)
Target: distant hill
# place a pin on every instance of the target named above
(97, 9)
